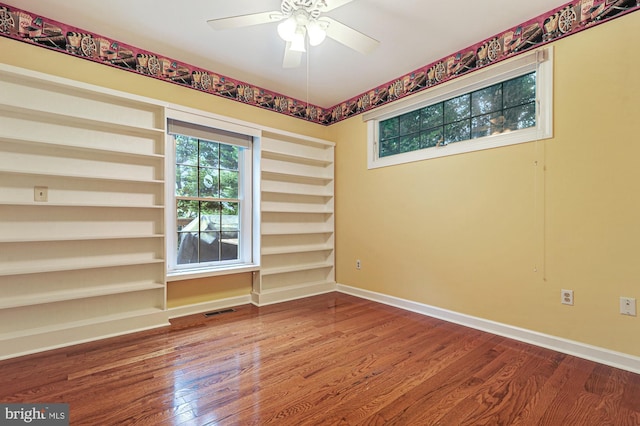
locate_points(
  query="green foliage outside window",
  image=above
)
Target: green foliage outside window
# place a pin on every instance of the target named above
(502, 107)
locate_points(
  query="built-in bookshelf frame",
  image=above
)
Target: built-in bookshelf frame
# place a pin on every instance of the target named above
(88, 260)
(297, 218)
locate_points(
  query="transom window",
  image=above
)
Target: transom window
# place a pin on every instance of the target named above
(506, 106)
(507, 103)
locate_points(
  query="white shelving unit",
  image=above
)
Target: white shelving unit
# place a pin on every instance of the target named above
(89, 261)
(297, 227)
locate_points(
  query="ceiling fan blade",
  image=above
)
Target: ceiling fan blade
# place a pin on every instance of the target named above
(245, 20)
(292, 58)
(349, 37)
(334, 4)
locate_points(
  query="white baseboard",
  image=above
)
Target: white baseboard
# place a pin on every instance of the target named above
(285, 294)
(198, 308)
(581, 350)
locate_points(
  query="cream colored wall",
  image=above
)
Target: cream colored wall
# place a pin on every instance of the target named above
(467, 232)
(27, 56)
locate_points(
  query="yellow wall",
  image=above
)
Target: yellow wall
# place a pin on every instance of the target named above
(24, 55)
(467, 232)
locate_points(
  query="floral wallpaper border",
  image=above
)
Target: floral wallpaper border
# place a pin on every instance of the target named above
(560, 22)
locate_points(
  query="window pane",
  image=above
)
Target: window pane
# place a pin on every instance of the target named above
(228, 184)
(229, 245)
(457, 108)
(486, 125)
(432, 138)
(389, 147)
(486, 100)
(459, 131)
(187, 215)
(209, 246)
(410, 142)
(230, 217)
(209, 216)
(410, 123)
(519, 91)
(389, 128)
(432, 115)
(187, 251)
(186, 181)
(209, 154)
(229, 157)
(209, 183)
(520, 117)
(186, 150)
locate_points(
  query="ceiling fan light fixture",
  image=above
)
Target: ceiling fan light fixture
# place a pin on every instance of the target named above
(297, 44)
(316, 33)
(287, 29)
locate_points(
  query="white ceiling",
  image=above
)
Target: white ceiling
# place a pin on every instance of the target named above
(412, 34)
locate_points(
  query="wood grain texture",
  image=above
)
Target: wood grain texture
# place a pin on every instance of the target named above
(332, 359)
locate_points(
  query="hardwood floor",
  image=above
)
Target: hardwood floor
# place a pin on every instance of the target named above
(325, 360)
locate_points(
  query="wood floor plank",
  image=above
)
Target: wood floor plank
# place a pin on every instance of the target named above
(332, 359)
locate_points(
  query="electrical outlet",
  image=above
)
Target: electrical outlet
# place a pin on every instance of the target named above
(566, 297)
(628, 306)
(40, 193)
(358, 264)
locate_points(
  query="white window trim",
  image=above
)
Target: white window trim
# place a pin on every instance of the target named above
(250, 215)
(540, 60)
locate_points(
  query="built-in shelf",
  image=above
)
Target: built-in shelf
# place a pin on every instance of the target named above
(42, 268)
(81, 176)
(270, 251)
(78, 146)
(295, 268)
(297, 251)
(46, 238)
(74, 121)
(89, 262)
(78, 205)
(132, 315)
(76, 294)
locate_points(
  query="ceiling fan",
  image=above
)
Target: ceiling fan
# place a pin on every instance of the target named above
(302, 21)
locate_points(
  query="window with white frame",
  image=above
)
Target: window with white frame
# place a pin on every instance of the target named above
(209, 227)
(505, 104)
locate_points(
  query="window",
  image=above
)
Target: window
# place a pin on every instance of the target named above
(210, 225)
(504, 104)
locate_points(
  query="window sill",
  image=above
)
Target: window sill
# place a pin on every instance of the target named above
(190, 274)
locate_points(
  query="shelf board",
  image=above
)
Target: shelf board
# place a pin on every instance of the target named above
(80, 176)
(293, 158)
(82, 122)
(76, 294)
(80, 323)
(301, 232)
(77, 147)
(267, 251)
(295, 268)
(294, 192)
(266, 174)
(79, 238)
(293, 210)
(100, 206)
(49, 204)
(61, 267)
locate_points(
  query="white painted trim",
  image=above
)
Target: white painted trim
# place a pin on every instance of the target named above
(285, 294)
(581, 350)
(198, 308)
